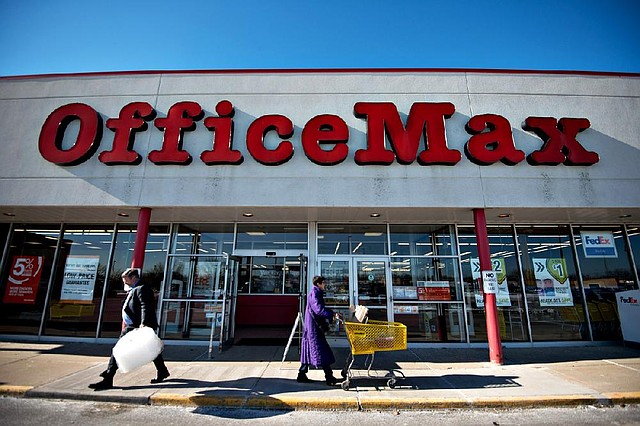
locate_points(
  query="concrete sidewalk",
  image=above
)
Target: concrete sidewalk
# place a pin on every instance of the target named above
(255, 377)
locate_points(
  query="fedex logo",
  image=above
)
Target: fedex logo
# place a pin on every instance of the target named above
(597, 240)
(629, 300)
(598, 244)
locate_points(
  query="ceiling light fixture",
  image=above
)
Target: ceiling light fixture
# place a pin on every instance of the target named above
(503, 215)
(375, 215)
(121, 214)
(9, 214)
(247, 214)
(622, 216)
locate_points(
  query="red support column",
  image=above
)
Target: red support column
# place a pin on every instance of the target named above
(142, 232)
(490, 308)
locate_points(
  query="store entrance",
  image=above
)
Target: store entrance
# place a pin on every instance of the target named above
(270, 292)
(198, 299)
(357, 281)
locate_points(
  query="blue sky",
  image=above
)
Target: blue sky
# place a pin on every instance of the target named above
(66, 36)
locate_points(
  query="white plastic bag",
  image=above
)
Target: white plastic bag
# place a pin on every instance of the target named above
(361, 312)
(137, 348)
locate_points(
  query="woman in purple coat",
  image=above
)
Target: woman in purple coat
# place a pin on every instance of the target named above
(315, 350)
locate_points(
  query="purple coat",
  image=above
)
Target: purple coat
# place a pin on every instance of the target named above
(315, 350)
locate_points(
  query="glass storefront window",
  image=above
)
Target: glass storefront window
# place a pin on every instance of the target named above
(509, 299)
(79, 280)
(272, 237)
(551, 284)
(606, 269)
(425, 278)
(633, 232)
(25, 278)
(352, 239)
(4, 232)
(431, 322)
(196, 277)
(214, 239)
(152, 272)
(269, 275)
(422, 240)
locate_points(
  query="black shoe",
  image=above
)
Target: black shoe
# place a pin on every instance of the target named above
(302, 378)
(332, 381)
(161, 376)
(106, 383)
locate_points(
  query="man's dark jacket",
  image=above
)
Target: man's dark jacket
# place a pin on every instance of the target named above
(141, 306)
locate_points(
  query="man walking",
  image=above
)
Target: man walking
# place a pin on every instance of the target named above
(138, 310)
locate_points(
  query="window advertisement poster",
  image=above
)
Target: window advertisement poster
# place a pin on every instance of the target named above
(499, 267)
(598, 244)
(80, 274)
(24, 277)
(553, 282)
(433, 290)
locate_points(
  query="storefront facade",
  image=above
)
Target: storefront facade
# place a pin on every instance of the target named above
(257, 181)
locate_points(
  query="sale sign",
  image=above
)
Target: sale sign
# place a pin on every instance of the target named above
(80, 273)
(24, 277)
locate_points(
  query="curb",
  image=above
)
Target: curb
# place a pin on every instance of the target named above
(332, 404)
(256, 402)
(12, 390)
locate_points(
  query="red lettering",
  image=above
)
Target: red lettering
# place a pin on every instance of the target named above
(180, 118)
(132, 119)
(326, 130)
(496, 144)
(255, 139)
(560, 144)
(222, 126)
(53, 130)
(425, 119)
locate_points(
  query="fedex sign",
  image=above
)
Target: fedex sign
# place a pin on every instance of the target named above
(598, 244)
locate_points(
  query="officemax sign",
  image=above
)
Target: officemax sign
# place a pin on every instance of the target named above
(325, 137)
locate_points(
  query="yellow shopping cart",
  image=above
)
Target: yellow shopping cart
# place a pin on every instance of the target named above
(371, 337)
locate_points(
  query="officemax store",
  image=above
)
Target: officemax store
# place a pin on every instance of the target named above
(230, 190)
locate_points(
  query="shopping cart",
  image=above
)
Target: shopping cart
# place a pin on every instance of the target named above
(368, 338)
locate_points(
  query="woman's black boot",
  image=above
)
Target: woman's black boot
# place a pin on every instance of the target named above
(302, 378)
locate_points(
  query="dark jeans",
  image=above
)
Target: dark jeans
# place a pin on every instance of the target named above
(113, 365)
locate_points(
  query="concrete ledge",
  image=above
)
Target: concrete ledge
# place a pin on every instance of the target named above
(347, 403)
(623, 397)
(11, 390)
(197, 400)
(303, 403)
(102, 396)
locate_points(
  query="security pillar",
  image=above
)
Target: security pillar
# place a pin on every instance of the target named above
(490, 308)
(142, 232)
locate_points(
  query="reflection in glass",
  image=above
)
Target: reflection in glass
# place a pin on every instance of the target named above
(352, 239)
(336, 273)
(271, 237)
(152, 272)
(269, 275)
(79, 281)
(425, 278)
(25, 278)
(509, 299)
(431, 322)
(547, 256)
(422, 240)
(606, 268)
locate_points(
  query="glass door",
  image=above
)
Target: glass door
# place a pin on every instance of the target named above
(356, 281)
(371, 286)
(195, 300)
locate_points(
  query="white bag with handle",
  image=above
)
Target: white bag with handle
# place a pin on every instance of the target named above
(137, 348)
